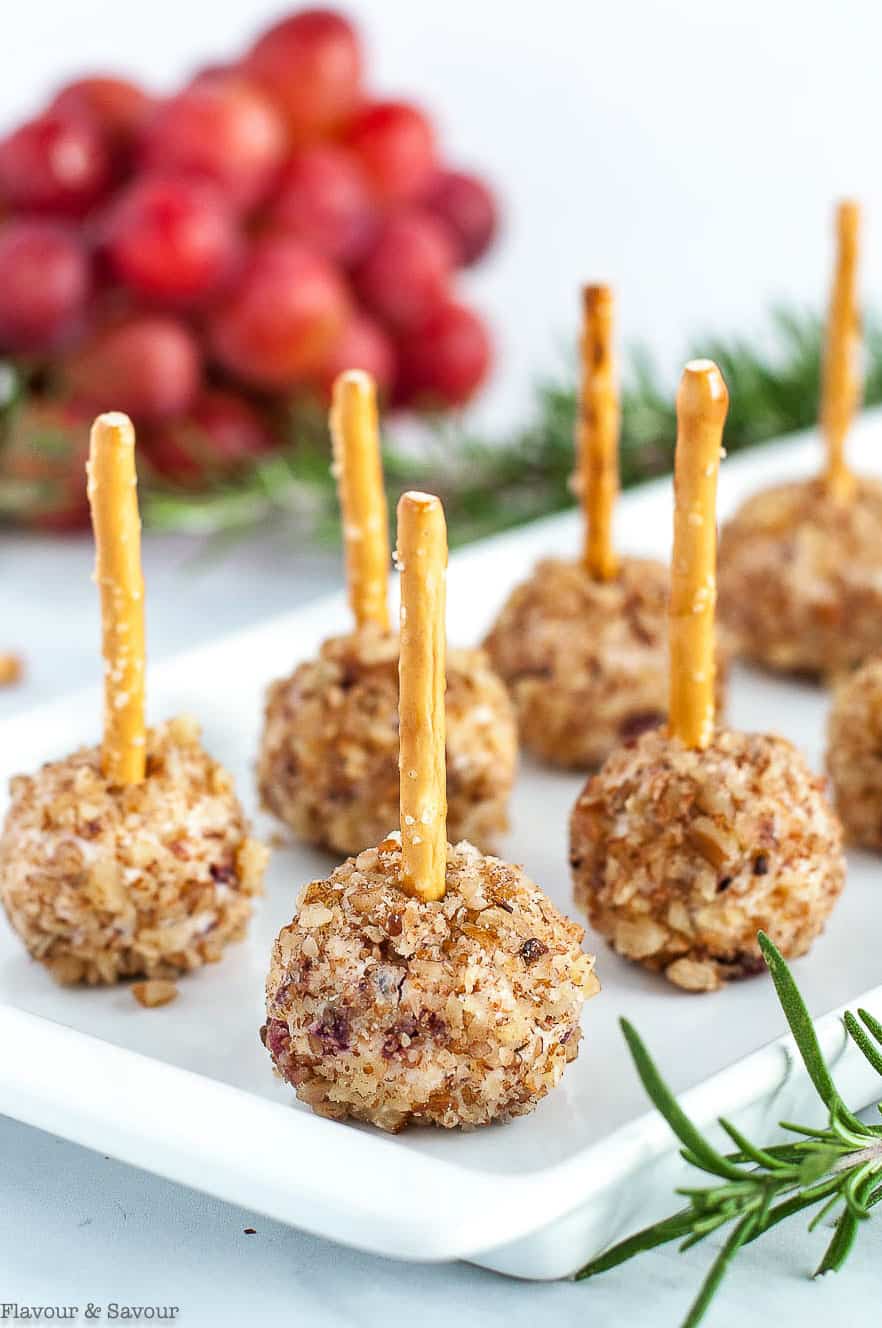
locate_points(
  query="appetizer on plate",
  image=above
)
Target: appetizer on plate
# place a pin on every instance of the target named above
(690, 840)
(423, 983)
(801, 563)
(582, 645)
(131, 859)
(328, 764)
(854, 753)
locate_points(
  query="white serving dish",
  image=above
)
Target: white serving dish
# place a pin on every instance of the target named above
(186, 1091)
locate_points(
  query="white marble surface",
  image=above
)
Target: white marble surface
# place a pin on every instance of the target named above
(77, 1228)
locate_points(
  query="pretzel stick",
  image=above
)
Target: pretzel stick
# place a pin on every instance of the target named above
(359, 470)
(702, 402)
(113, 498)
(422, 559)
(841, 375)
(598, 433)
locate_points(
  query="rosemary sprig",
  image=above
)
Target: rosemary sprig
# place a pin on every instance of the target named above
(836, 1169)
(491, 484)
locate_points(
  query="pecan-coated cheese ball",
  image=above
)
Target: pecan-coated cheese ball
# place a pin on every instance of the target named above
(328, 763)
(854, 753)
(104, 881)
(800, 577)
(388, 1009)
(681, 856)
(586, 661)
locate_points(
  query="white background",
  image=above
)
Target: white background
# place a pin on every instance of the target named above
(688, 152)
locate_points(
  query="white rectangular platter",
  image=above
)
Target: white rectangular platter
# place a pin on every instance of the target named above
(186, 1091)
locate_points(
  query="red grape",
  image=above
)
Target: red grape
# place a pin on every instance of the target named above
(466, 205)
(147, 365)
(220, 433)
(285, 312)
(223, 129)
(44, 285)
(214, 73)
(446, 359)
(116, 106)
(56, 163)
(323, 200)
(310, 63)
(171, 240)
(395, 144)
(407, 272)
(44, 452)
(362, 345)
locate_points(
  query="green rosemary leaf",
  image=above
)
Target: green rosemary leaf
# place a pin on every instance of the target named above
(872, 1024)
(840, 1246)
(660, 1233)
(719, 1268)
(861, 1040)
(817, 1162)
(704, 1229)
(797, 1203)
(831, 1203)
(747, 1151)
(803, 1031)
(662, 1097)
(859, 1186)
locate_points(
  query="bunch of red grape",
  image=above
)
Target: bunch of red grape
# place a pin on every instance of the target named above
(198, 260)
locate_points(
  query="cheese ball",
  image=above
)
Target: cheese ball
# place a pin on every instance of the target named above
(585, 661)
(103, 882)
(680, 857)
(387, 1009)
(854, 754)
(328, 763)
(800, 578)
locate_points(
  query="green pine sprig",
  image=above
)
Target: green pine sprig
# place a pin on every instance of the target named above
(491, 484)
(836, 1169)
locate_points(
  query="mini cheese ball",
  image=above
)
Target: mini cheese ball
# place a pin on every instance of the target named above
(586, 661)
(132, 859)
(681, 856)
(328, 757)
(423, 983)
(854, 754)
(801, 577)
(104, 881)
(582, 644)
(801, 563)
(458, 1011)
(328, 764)
(690, 840)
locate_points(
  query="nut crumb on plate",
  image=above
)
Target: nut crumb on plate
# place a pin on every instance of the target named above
(155, 992)
(11, 669)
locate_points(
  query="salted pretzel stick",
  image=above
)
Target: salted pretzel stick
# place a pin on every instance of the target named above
(702, 402)
(113, 498)
(841, 378)
(359, 470)
(598, 432)
(422, 559)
